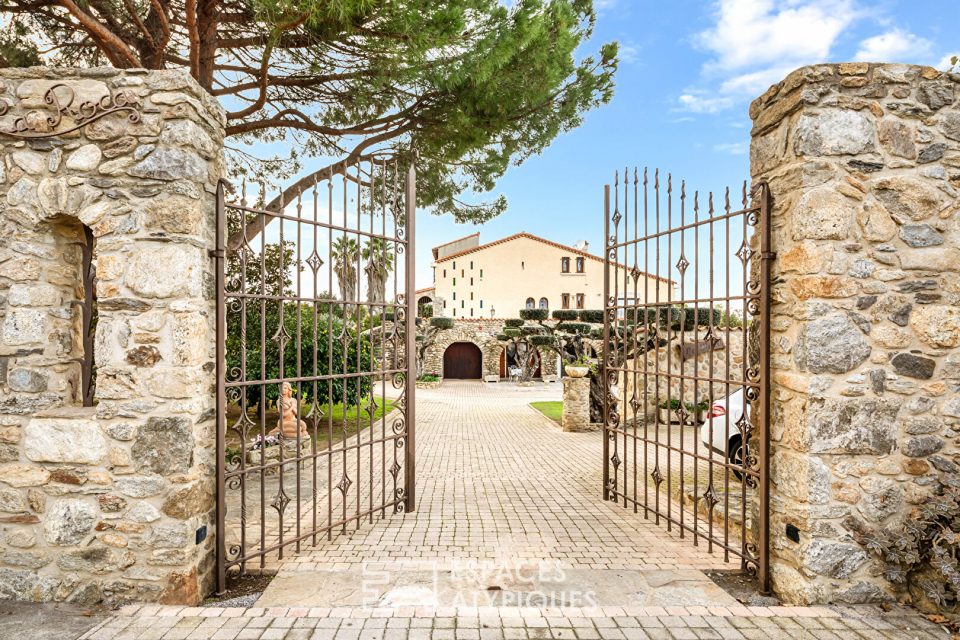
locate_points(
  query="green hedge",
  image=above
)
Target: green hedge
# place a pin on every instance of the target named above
(541, 341)
(534, 314)
(441, 323)
(593, 316)
(513, 322)
(565, 314)
(531, 330)
(573, 327)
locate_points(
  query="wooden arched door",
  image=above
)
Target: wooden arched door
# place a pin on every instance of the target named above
(463, 361)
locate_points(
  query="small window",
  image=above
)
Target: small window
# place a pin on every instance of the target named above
(522, 264)
(565, 301)
(463, 273)
(580, 265)
(544, 304)
(463, 304)
(471, 312)
(481, 274)
(444, 304)
(454, 296)
(444, 273)
(579, 301)
(531, 303)
(454, 265)
(564, 265)
(471, 295)
(454, 313)
(471, 282)
(471, 265)
(481, 304)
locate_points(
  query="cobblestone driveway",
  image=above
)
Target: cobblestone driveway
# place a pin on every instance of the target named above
(498, 481)
(500, 486)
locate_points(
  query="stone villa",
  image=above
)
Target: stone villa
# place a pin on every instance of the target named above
(481, 285)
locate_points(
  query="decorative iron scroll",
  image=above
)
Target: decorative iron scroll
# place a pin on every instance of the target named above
(40, 124)
(290, 349)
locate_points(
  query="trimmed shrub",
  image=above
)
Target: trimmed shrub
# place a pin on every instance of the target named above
(534, 314)
(700, 317)
(512, 332)
(564, 314)
(593, 316)
(541, 341)
(573, 327)
(513, 322)
(441, 323)
(531, 330)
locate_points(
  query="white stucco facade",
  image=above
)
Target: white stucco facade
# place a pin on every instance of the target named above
(497, 279)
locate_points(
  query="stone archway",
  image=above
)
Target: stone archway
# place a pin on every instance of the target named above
(481, 333)
(463, 361)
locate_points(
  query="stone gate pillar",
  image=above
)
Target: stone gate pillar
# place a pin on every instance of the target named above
(864, 166)
(110, 502)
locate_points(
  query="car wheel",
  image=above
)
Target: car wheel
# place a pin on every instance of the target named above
(735, 455)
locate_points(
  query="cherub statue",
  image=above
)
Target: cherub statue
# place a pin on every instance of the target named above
(288, 423)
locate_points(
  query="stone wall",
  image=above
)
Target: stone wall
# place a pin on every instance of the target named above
(863, 162)
(109, 502)
(483, 334)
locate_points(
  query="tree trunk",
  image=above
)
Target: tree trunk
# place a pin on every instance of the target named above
(596, 399)
(376, 282)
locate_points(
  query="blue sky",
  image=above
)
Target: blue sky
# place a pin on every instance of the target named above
(688, 72)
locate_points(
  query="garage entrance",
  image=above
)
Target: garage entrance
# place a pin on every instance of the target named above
(462, 361)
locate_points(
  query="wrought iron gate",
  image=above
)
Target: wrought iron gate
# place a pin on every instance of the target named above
(686, 337)
(315, 397)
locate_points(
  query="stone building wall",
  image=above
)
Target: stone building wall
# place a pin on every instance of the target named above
(483, 334)
(105, 503)
(863, 162)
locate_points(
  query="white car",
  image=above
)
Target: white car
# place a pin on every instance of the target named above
(715, 434)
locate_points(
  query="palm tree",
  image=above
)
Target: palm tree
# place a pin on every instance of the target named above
(379, 257)
(346, 254)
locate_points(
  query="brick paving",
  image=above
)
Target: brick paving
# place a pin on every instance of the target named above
(614, 623)
(499, 483)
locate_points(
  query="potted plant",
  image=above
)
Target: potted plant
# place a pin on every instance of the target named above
(579, 368)
(668, 410)
(696, 411)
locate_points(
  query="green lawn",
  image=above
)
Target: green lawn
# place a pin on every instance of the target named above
(338, 412)
(552, 410)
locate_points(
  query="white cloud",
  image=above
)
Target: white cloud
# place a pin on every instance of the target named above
(696, 102)
(755, 43)
(628, 53)
(947, 61)
(754, 83)
(758, 33)
(733, 148)
(896, 45)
